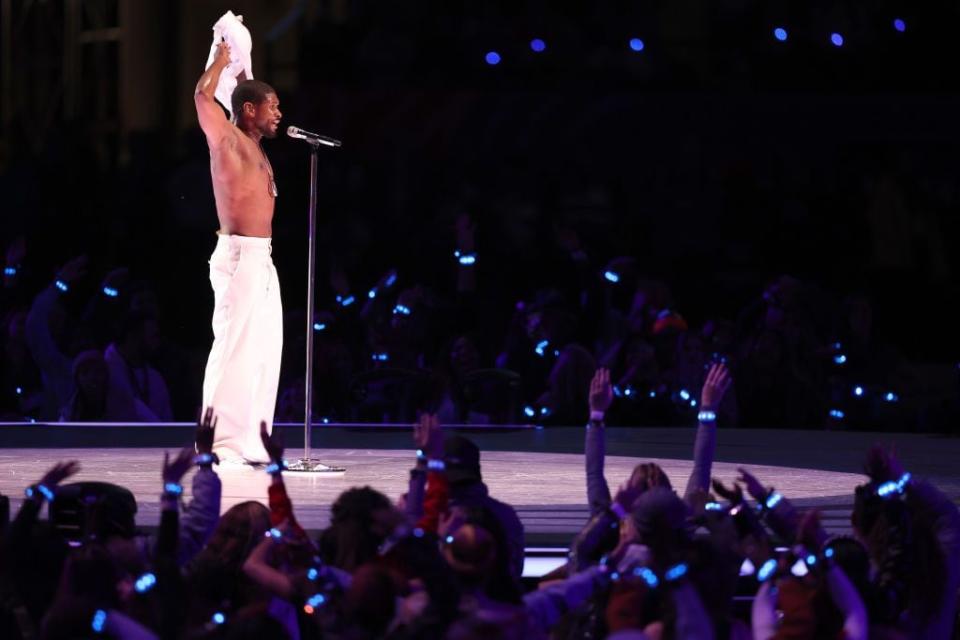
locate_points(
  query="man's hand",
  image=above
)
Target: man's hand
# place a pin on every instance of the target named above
(450, 521)
(882, 465)
(601, 393)
(756, 490)
(174, 470)
(73, 270)
(117, 278)
(428, 437)
(206, 428)
(222, 56)
(58, 473)
(733, 494)
(716, 385)
(273, 443)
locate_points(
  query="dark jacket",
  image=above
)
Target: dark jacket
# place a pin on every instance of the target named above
(476, 495)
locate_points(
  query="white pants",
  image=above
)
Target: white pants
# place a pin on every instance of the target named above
(243, 369)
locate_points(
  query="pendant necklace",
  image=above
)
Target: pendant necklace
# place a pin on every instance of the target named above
(272, 188)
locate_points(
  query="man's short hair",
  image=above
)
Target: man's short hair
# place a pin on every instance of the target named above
(249, 91)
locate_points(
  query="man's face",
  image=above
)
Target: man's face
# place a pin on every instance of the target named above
(266, 115)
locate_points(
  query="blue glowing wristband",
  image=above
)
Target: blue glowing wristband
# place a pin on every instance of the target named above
(706, 416)
(648, 576)
(466, 259)
(891, 488)
(42, 489)
(204, 460)
(675, 572)
(172, 489)
(274, 533)
(110, 292)
(10, 271)
(276, 467)
(767, 570)
(218, 618)
(60, 284)
(145, 582)
(99, 621)
(314, 601)
(46, 491)
(436, 465)
(772, 501)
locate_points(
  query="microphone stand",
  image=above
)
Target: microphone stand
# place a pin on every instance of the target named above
(308, 464)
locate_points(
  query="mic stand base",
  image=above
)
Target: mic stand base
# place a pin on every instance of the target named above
(312, 465)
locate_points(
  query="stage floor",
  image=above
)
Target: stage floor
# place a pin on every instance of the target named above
(540, 472)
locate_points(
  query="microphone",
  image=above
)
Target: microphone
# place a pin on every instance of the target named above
(312, 138)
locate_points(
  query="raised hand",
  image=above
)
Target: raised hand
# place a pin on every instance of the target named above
(206, 428)
(716, 385)
(601, 392)
(756, 490)
(117, 278)
(809, 532)
(223, 54)
(73, 270)
(428, 437)
(882, 465)
(465, 229)
(449, 522)
(59, 472)
(733, 494)
(16, 251)
(273, 443)
(175, 469)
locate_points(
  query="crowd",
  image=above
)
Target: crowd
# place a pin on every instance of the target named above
(444, 560)
(85, 346)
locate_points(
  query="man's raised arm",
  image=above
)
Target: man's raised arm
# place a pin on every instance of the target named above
(212, 119)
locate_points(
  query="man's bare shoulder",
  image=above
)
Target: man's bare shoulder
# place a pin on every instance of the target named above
(228, 138)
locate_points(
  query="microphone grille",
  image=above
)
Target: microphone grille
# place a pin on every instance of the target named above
(292, 131)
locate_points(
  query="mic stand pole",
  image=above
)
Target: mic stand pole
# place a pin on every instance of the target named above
(306, 463)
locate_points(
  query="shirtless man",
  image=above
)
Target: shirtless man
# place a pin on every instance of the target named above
(243, 368)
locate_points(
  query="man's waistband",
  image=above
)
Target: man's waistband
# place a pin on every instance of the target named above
(225, 241)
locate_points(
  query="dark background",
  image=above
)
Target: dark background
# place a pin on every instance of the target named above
(719, 157)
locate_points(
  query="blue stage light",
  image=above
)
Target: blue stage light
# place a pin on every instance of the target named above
(899, 25)
(780, 34)
(492, 58)
(836, 39)
(636, 44)
(538, 45)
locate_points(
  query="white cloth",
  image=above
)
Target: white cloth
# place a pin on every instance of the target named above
(243, 369)
(229, 28)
